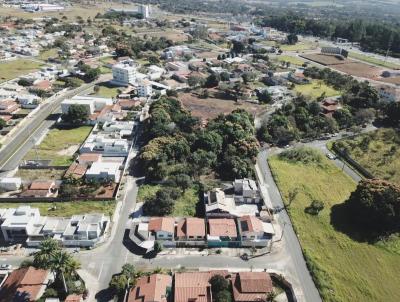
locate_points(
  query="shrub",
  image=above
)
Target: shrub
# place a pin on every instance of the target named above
(303, 155)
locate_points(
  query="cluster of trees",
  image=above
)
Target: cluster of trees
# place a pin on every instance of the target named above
(373, 36)
(3, 123)
(375, 207)
(178, 145)
(221, 289)
(51, 257)
(76, 115)
(121, 282)
(91, 74)
(295, 120)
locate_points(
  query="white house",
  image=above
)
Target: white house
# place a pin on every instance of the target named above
(124, 73)
(10, 183)
(105, 145)
(28, 101)
(91, 104)
(246, 191)
(144, 10)
(104, 171)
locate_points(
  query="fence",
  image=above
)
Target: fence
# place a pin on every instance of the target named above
(52, 199)
(352, 162)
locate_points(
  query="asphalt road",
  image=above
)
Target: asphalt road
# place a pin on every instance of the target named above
(23, 139)
(310, 291)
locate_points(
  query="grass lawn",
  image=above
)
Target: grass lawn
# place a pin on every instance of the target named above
(59, 145)
(15, 68)
(315, 89)
(298, 46)
(107, 91)
(291, 60)
(184, 205)
(344, 269)
(67, 209)
(373, 60)
(378, 152)
(49, 53)
(40, 174)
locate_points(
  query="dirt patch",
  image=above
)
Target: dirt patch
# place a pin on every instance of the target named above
(392, 80)
(212, 106)
(71, 150)
(325, 59)
(360, 70)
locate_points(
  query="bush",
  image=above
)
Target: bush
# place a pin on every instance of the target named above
(303, 155)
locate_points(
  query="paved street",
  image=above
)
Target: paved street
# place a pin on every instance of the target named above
(23, 139)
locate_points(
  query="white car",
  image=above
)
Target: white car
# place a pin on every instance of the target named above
(5, 266)
(330, 156)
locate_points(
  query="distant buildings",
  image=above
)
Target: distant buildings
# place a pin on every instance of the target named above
(335, 51)
(144, 10)
(91, 104)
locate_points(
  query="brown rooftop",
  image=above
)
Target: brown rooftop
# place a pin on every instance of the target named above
(166, 224)
(251, 224)
(24, 282)
(251, 286)
(41, 185)
(222, 227)
(191, 227)
(151, 288)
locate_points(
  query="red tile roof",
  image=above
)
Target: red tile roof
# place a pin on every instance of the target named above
(41, 185)
(251, 286)
(194, 287)
(166, 224)
(251, 224)
(89, 157)
(191, 227)
(24, 282)
(74, 298)
(76, 171)
(222, 227)
(151, 288)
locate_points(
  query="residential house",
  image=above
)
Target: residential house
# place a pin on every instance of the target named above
(222, 229)
(144, 88)
(28, 101)
(74, 298)
(162, 227)
(251, 286)
(75, 171)
(105, 145)
(298, 78)
(25, 284)
(191, 228)
(39, 188)
(10, 183)
(194, 286)
(153, 288)
(104, 171)
(88, 159)
(91, 104)
(8, 107)
(253, 229)
(128, 104)
(329, 106)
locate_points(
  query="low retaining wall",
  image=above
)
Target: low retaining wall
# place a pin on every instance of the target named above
(352, 162)
(51, 199)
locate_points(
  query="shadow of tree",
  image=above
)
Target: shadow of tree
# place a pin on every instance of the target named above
(104, 295)
(343, 220)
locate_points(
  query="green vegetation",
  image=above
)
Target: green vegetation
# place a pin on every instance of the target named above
(377, 151)
(39, 174)
(344, 269)
(15, 68)
(59, 145)
(315, 89)
(183, 206)
(48, 53)
(106, 91)
(373, 60)
(292, 60)
(67, 209)
(298, 46)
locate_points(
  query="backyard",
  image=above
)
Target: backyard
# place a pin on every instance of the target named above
(15, 68)
(184, 205)
(292, 60)
(343, 269)
(67, 209)
(315, 89)
(377, 151)
(59, 145)
(40, 174)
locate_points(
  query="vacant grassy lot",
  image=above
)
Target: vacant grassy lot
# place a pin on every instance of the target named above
(39, 174)
(291, 60)
(378, 152)
(67, 209)
(49, 53)
(316, 89)
(106, 91)
(344, 269)
(184, 205)
(15, 68)
(373, 60)
(299, 46)
(59, 145)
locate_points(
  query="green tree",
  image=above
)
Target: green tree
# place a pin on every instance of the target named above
(47, 250)
(3, 123)
(264, 97)
(76, 115)
(182, 181)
